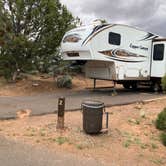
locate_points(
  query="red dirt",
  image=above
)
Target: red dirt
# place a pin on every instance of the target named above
(132, 138)
(43, 84)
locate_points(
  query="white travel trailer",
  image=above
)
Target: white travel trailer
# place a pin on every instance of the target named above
(121, 53)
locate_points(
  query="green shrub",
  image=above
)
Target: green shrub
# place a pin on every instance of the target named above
(163, 138)
(61, 140)
(64, 81)
(161, 120)
(163, 83)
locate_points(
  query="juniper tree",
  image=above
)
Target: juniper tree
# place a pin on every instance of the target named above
(30, 33)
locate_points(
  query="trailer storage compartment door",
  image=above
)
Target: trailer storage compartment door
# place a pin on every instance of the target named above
(100, 70)
(158, 66)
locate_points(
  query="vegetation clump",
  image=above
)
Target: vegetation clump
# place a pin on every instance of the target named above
(64, 81)
(161, 125)
(61, 140)
(161, 120)
(163, 138)
(163, 83)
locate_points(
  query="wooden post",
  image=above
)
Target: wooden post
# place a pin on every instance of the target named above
(107, 116)
(94, 83)
(61, 113)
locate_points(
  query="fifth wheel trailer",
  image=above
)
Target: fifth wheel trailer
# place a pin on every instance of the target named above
(121, 53)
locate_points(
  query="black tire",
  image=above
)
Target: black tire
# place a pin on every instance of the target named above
(156, 87)
(134, 86)
(126, 85)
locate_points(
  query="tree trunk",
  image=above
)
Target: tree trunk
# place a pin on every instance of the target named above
(15, 75)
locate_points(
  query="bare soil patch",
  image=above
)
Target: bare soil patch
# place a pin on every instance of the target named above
(132, 138)
(35, 84)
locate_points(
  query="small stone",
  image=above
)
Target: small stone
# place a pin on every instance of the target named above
(24, 113)
(35, 84)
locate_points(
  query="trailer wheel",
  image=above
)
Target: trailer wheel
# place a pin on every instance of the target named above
(134, 85)
(126, 85)
(156, 87)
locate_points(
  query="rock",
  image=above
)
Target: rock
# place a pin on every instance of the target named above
(24, 113)
(35, 84)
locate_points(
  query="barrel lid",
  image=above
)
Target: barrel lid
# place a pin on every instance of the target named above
(92, 103)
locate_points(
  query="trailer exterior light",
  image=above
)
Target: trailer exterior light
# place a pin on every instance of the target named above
(73, 38)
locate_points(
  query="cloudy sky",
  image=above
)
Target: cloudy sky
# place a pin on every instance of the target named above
(149, 15)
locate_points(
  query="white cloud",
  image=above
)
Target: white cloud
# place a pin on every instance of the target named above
(147, 14)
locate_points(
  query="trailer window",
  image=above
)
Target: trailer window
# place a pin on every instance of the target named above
(114, 38)
(158, 53)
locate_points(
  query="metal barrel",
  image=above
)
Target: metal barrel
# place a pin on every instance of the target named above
(92, 116)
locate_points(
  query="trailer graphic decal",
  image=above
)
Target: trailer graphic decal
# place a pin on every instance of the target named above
(138, 47)
(149, 36)
(123, 55)
(95, 31)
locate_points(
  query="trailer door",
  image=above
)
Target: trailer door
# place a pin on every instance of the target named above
(158, 66)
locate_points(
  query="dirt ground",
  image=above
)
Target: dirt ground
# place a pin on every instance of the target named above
(33, 84)
(132, 138)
